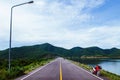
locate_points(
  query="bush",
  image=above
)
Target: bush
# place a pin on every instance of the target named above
(19, 67)
(3, 74)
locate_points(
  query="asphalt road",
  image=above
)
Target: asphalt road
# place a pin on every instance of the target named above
(60, 69)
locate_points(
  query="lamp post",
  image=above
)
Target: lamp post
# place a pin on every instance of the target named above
(10, 39)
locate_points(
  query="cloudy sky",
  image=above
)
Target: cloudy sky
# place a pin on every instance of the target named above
(63, 23)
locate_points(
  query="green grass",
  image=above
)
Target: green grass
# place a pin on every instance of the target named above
(109, 75)
(104, 73)
(35, 65)
(19, 67)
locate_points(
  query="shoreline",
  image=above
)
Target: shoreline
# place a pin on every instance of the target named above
(104, 74)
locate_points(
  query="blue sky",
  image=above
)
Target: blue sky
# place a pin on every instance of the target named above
(63, 23)
(109, 11)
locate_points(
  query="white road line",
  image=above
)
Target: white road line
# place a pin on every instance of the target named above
(87, 71)
(37, 70)
(90, 73)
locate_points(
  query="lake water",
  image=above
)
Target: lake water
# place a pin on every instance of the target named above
(111, 65)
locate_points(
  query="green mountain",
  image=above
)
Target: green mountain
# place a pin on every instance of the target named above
(34, 52)
(48, 50)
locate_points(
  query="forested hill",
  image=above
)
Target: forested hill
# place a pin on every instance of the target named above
(48, 50)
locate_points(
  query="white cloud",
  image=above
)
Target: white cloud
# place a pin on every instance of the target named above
(59, 22)
(104, 36)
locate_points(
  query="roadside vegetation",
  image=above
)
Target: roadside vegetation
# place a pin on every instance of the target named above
(106, 74)
(26, 58)
(19, 67)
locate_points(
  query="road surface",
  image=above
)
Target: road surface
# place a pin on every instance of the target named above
(60, 69)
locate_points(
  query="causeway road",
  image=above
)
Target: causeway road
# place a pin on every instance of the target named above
(59, 69)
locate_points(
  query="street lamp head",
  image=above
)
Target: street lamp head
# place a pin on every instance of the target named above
(30, 2)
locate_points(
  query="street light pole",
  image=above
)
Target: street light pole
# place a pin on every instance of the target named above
(10, 39)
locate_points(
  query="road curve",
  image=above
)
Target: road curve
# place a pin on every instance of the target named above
(60, 69)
